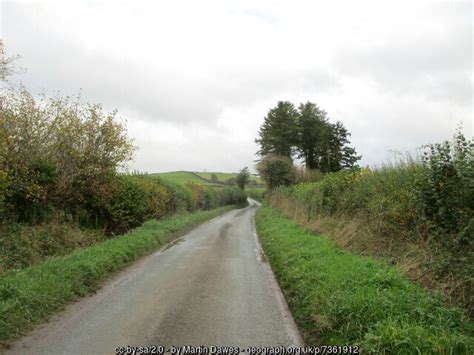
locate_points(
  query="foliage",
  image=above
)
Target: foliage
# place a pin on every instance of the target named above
(276, 171)
(427, 203)
(33, 294)
(324, 146)
(6, 66)
(243, 178)
(129, 201)
(278, 133)
(338, 298)
(57, 153)
(59, 173)
(446, 188)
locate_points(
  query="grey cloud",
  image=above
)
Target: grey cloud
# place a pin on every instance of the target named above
(65, 65)
(435, 65)
(412, 87)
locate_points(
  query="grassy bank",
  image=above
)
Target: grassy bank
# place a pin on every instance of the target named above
(339, 298)
(32, 294)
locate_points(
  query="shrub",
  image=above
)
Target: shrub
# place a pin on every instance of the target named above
(276, 171)
(446, 188)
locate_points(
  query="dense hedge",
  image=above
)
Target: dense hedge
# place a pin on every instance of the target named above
(429, 202)
(136, 198)
(130, 201)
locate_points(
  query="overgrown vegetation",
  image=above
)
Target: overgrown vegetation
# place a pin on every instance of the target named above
(419, 215)
(60, 181)
(31, 295)
(338, 298)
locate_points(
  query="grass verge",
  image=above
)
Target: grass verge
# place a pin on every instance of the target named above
(338, 298)
(32, 294)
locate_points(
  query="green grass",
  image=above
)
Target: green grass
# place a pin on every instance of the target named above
(221, 177)
(204, 178)
(32, 294)
(182, 177)
(257, 193)
(339, 298)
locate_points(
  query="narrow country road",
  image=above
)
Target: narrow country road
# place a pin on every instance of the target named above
(211, 287)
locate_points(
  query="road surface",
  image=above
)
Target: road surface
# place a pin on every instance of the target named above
(211, 287)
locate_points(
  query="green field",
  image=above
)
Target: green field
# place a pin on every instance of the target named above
(183, 177)
(221, 177)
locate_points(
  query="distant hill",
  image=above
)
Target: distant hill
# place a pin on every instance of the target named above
(204, 177)
(222, 177)
(182, 177)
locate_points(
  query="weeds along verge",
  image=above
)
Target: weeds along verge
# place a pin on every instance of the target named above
(417, 215)
(338, 298)
(31, 295)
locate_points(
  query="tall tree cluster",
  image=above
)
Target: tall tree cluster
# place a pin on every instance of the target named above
(306, 133)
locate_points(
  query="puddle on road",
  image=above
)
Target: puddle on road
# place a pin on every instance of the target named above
(241, 213)
(224, 230)
(172, 244)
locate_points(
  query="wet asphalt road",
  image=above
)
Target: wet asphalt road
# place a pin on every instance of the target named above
(211, 287)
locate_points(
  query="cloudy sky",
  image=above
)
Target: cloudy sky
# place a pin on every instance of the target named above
(194, 79)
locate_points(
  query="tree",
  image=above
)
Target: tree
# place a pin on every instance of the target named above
(231, 181)
(339, 155)
(5, 62)
(324, 146)
(278, 133)
(243, 178)
(313, 133)
(59, 151)
(276, 171)
(214, 178)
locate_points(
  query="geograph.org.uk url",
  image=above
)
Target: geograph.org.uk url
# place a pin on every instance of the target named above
(224, 350)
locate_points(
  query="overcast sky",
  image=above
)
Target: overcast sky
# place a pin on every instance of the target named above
(194, 79)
